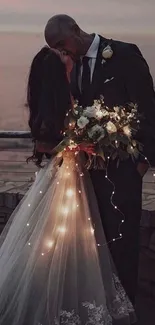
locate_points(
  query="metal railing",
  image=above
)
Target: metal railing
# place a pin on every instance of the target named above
(15, 140)
(15, 134)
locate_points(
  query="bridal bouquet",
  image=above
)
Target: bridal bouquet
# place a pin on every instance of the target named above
(111, 130)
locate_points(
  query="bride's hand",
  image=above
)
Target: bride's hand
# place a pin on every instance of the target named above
(66, 59)
(88, 148)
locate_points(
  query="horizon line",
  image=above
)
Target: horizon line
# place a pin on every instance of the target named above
(39, 32)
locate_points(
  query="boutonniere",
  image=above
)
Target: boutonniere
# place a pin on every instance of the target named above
(107, 53)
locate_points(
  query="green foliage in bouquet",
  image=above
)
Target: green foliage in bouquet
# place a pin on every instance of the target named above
(111, 130)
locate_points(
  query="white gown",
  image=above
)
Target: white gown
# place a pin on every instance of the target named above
(55, 267)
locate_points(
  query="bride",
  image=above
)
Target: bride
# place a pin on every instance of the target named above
(54, 262)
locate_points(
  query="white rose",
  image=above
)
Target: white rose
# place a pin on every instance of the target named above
(90, 112)
(114, 116)
(111, 128)
(99, 115)
(96, 130)
(82, 122)
(98, 106)
(107, 52)
(105, 113)
(127, 131)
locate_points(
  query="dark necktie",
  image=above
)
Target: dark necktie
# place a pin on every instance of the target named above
(85, 82)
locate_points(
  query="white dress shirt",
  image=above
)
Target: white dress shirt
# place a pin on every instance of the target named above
(92, 54)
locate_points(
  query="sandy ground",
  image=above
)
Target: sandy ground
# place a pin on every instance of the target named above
(17, 51)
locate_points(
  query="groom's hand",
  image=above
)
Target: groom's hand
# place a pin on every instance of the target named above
(142, 168)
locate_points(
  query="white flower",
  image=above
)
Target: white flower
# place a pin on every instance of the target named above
(98, 106)
(105, 113)
(111, 128)
(99, 114)
(82, 122)
(96, 103)
(107, 52)
(96, 131)
(127, 131)
(72, 145)
(114, 116)
(90, 112)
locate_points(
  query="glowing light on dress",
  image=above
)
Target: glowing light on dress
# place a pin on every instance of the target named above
(62, 230)
(50, 243)
(69, 192)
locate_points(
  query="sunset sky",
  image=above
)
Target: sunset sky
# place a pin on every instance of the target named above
(136, 16)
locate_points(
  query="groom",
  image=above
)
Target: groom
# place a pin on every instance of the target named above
(119, 72)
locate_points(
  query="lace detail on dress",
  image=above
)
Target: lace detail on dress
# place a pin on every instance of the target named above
(68, 318)
(121, 304)
(95, 316)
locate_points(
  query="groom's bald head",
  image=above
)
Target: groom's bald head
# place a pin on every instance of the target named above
(63, 33)
(59, 27)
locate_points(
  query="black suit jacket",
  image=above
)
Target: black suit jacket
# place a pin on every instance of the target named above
(129, 81)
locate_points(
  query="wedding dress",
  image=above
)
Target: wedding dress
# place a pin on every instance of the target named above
(55, 267)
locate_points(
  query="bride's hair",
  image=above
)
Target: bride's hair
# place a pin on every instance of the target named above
(48, 99)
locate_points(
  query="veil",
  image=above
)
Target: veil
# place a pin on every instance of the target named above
(55, 265)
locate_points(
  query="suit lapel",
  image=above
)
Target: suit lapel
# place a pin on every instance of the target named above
(99, 68)
(98, 75)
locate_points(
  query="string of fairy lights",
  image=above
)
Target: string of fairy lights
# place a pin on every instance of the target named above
(69, 194)
(65, 209)
(114, 206)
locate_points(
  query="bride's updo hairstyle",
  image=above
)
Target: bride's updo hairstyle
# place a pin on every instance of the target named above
(48, 99)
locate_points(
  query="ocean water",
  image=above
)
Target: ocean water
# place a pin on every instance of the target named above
(16, 53)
